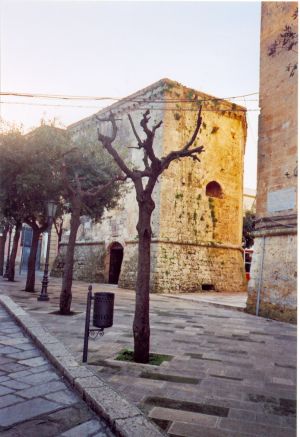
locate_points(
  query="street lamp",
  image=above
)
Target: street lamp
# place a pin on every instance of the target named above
(51, 210)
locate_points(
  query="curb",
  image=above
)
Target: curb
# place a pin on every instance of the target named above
(220, 305)
(123, 418)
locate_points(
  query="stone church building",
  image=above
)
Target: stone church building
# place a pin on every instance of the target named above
(197, 222)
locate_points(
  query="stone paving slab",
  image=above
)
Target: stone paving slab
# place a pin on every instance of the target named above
(86, 428)
(243, 364)
(28, 398)
(124, 418)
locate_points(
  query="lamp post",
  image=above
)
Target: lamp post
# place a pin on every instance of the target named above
(10, 228)
(51, 210)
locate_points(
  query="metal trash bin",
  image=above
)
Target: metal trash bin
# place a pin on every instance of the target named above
(103, 310)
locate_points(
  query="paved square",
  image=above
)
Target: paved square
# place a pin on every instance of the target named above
(232, 374)
(36, 402)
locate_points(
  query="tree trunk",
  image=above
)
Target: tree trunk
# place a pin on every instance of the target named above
(12, 259)
(59, 229)
(2, 248)
(30, 281)
(66, 289)
(141, 325)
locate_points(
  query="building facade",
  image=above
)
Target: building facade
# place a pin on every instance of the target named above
(273, 284)
(249, 200)
(197, 221)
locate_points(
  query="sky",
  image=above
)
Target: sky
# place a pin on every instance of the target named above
(99, 48)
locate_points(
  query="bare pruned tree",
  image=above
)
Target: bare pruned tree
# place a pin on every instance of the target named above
(153, 168)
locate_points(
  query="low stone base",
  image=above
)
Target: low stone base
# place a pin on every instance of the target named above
(88, 262)
(274, 272)
(271, 311)
(184, 268)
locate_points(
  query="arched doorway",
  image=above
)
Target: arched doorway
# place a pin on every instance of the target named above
(115, 262)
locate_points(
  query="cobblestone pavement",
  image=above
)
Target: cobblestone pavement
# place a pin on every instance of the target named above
(232, 374)
(34, 400)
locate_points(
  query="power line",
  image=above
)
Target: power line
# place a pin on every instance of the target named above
(55, 96)
(132, 109)
(137, 100)
(49, 104)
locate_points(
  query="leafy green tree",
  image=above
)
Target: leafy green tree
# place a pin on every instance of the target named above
(40, 182)
(14, 250)
(92, 184)
(29, 177)
(11, 142)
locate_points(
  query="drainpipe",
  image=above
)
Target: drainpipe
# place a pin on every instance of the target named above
(260, 275)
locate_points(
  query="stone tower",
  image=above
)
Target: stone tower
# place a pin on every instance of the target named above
(197, 221)
(273, 286)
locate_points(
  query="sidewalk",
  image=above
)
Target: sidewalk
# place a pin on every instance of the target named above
(34, 399)
(225, 300)
(232, 374)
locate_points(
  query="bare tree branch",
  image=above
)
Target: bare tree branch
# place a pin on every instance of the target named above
(111, 119)
(147, 144)
(156, 126)
(107, 143)
(92, 192)
(140, 144)
(144, 123)
(194, 136)
(139, 141)
(185, 151)
(182, 154)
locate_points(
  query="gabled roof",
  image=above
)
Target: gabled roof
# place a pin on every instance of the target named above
(164, 84)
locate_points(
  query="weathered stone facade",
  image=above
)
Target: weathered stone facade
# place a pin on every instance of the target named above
(88, 261)
(197, 221)
(272, 288)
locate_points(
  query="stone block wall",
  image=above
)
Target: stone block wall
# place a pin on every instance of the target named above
(274, 277)
(189, 267)
(205, 230)
(128, 273)
(88, 262)
(276, 203)
(200, 232)
(278, 121)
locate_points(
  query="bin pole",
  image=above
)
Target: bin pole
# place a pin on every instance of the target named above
(87, 325)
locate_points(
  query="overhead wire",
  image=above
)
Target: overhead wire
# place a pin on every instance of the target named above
(142, 100)
(70, 97)
(132, 109)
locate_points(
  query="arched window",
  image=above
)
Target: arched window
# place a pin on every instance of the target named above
(214, 189)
